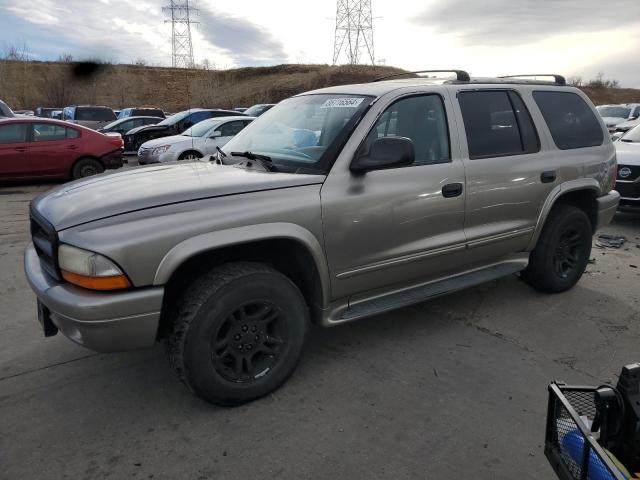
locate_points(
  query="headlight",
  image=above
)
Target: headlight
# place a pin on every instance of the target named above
(90, 270)
(160, 150)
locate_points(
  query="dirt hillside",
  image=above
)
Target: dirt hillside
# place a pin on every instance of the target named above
(26, 85)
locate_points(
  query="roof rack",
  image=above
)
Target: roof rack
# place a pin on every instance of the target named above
(557, 79)
(461, 75)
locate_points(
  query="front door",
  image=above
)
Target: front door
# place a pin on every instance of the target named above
(401, 225)
(14, 150)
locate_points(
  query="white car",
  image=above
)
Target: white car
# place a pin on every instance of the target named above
(628, 179)
(196, 142)
(612, 115)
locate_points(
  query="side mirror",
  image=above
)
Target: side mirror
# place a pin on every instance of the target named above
(216, 134)
(385, 152)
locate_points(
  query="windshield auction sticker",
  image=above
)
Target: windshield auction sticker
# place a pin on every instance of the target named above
(342, 102)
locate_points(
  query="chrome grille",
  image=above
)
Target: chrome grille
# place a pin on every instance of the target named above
(45, 241)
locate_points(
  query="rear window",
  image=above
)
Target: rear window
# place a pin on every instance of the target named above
(571, 122)
(95, 114)
(497, 123)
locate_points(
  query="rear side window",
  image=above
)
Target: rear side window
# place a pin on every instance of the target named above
(497, 123)
(47, 132)
(95, 114)
(570, 120)
(13, 133)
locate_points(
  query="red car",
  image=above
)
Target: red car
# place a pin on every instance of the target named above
(44, 148)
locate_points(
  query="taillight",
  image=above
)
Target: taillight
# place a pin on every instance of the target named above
(117, 141)
(614, 173)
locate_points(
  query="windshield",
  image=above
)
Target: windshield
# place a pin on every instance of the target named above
(95, 114)
(632, 135)
(199, 129)
(302, 132)
(173, 119)
(615, 111)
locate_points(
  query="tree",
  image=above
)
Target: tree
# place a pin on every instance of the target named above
(16, 51)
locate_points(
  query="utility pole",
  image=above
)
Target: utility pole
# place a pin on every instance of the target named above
(354, 32)
(179, 14)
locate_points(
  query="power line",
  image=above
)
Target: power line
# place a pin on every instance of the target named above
(179, 14)
(354, 32)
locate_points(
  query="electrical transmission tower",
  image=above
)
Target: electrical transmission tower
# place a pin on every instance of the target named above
(354, 32)
(180, 14)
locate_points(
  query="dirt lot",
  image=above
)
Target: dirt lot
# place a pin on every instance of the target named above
(454, 388)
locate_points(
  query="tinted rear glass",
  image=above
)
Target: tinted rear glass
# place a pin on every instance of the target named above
(149, 112)
(497, 123)
(95, 114)
(571, 122)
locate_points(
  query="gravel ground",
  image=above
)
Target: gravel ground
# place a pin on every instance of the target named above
(452, 388)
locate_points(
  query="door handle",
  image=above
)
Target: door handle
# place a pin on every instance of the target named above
(72, 147)
(452, 190)
(548, 176)
(20, 149)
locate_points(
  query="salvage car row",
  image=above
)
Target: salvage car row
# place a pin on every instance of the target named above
(36, 147)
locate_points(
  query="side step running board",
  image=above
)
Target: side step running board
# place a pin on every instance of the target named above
(420, 293)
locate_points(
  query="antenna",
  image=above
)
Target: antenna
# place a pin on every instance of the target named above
(354, 32)
(180, 13)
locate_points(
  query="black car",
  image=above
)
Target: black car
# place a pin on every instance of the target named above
(140, 112)
(258, 109)
(46, 112)
(123, 125)
(174, 125)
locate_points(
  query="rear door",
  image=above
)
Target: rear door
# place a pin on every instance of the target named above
(53, 149)
(14, 150)
(508, 176)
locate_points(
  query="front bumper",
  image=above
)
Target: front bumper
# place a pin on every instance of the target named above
(100, 321)
(607, 206)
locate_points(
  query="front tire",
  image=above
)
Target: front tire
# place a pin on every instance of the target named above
(189, 156)
(562, 253)
(239, 333)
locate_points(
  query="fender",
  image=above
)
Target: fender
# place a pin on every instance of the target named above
(557, 192)
(235, 236)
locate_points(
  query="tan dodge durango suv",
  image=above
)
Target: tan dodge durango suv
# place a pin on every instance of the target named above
(334, 205)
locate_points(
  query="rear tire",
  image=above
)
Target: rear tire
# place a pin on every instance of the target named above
(85, 167)
(238, 333)
(562, 253)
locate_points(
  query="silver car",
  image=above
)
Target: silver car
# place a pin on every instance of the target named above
(196, 142)
(333, 206)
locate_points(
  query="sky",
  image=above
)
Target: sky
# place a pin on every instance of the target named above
(484, 37)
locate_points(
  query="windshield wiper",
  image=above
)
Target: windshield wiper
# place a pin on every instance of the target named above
(264, 159)
(626, 140)
(220, 152)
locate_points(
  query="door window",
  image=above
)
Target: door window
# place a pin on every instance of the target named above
(422, 119)
(497, 123)
(47, 132)
(13, 133)
(571, 122)
(230, 129)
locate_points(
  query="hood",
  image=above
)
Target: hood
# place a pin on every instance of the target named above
(611, 121)
(171, 140)
(628, 125)
(155, 128)
(141, 188)
(627, 153)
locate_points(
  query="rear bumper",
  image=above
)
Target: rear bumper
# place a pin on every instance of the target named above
(104, 322)
(113, 159)
(607, 206)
